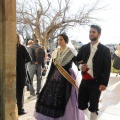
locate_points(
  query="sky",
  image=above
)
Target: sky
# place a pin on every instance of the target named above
(110, 25)
(110, 22)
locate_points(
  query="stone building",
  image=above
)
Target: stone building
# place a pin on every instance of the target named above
(8, 108)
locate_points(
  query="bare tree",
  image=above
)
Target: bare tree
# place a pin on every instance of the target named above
(46, 19)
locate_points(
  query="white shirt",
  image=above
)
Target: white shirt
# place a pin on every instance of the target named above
(93, 49)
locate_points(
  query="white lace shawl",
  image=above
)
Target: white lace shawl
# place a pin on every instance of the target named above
(68, 54)
(63, 57)
(70, 50)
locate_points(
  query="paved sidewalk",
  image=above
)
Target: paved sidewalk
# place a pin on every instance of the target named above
(109, 105)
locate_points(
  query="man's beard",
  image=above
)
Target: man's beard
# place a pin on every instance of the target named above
(94, 39)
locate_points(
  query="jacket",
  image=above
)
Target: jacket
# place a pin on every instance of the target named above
(101, 62)
(21, 59)
(31, 51)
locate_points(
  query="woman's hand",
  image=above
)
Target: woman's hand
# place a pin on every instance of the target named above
(84, 67)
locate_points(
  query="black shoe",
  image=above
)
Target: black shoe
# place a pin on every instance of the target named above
(21, 112)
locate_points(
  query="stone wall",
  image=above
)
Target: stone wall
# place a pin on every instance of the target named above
(8, 108)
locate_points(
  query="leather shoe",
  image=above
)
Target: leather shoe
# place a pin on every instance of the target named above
(21, 112)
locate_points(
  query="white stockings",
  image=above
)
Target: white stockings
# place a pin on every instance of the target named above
(93, 116)
(90, 115)
(87, 113)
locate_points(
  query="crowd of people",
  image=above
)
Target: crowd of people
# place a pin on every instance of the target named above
(60, 98)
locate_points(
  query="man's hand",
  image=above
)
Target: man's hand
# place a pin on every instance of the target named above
(43, 69)
(102, 87)
(83, 67)
(36, 63)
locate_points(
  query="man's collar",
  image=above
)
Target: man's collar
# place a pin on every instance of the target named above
(95, 45)
(36, 44)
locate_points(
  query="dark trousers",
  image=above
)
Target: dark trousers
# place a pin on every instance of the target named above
(19, 97)
(88, 96)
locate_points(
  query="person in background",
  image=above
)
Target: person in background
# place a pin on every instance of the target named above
(95, 65)
(21, 59)
(48, 57)
(29, 44)
(36, 66)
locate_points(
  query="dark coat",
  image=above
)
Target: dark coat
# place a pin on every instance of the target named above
(32, 54)
(22, 58)
(101, 62)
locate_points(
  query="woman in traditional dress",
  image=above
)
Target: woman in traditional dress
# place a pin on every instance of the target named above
(58, 98)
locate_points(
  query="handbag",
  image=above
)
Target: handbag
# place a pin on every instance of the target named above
(27, 80)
